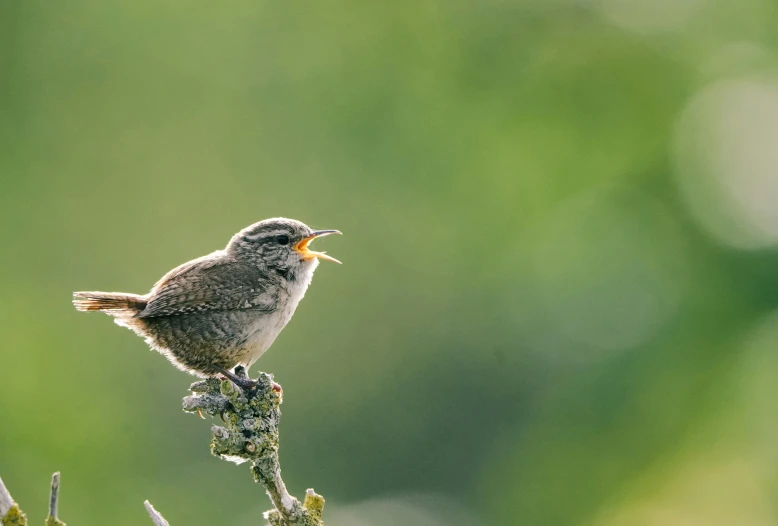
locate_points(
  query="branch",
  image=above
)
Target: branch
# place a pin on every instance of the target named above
(10, 514)
(156, 517)
(251, 415)
(53, 519)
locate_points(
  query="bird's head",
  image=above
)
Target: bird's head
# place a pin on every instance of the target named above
(280, 244)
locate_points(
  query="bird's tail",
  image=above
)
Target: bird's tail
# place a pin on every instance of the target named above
(112, 303)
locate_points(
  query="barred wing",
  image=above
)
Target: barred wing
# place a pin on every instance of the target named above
(211, 283)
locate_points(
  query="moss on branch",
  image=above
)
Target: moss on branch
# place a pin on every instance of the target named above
(251, 415)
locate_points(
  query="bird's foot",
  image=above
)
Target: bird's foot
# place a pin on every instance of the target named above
(239, 378)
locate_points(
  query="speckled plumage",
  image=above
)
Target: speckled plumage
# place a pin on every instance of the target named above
(224, 309)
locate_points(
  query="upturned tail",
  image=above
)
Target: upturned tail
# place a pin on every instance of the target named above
(111, 303)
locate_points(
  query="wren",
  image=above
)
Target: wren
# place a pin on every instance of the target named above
(222, 310)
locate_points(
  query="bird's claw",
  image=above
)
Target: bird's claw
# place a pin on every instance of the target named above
(239, 378)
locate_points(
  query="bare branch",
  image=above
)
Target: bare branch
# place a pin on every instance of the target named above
(6, 502)
(53, 519)
(156, 517)
(54, 495)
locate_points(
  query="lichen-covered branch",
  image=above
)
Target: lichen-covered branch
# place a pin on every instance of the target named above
(250, 434)
(10, 514)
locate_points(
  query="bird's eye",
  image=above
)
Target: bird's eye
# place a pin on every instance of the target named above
(283, 239)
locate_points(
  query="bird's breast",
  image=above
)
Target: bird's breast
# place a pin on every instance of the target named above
(267, 327)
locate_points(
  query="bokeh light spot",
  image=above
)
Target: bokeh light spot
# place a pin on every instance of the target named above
(727, 161)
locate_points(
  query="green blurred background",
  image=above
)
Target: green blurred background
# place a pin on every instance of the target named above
(558, 298)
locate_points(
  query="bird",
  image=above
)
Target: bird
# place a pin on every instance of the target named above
(220, 312)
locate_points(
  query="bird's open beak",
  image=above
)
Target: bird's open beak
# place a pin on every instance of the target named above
(302, 246)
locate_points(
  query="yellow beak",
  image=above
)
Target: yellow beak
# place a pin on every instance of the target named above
(302, 246)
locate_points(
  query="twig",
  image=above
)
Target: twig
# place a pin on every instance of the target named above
(10, 514)
(6, 501)
(53, 519)
(156, 517)
(54, 495)
(251, 416)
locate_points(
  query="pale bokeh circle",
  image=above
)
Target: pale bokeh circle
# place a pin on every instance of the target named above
(726, 151)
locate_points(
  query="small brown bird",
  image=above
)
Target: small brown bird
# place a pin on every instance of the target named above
(225, 309)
